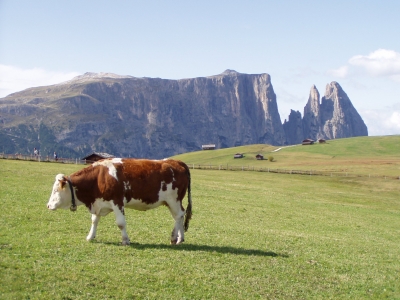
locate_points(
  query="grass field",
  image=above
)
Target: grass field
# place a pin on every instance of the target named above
(253, 236)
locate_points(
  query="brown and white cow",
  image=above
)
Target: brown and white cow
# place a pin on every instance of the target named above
(113, 184)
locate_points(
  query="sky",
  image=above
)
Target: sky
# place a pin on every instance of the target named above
(299, 43)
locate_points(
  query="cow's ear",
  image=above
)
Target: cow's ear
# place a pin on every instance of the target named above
(63, 181)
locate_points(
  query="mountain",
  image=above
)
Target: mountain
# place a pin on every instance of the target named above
(332, 117)
(156, 118)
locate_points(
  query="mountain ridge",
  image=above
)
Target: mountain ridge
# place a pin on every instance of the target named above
(154, 117)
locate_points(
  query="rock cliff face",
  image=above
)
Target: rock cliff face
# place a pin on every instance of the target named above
(141, 117)
(333, 117)
(293, 128)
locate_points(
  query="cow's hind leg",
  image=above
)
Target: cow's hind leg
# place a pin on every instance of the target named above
(93, 229)
(178, 213)
(121, 223)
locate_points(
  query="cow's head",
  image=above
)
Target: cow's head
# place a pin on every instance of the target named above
(61, 195)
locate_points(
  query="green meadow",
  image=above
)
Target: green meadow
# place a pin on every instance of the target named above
(253, 235)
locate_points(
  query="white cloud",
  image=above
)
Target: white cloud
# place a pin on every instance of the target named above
(394, 121)
(340, 72)
(382, 122)
(381, 62)
(13, 79)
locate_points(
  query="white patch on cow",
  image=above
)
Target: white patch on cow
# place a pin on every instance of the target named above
(173, 175)
(138, 204)
(127, 186)
(101, 207)
(169, 195)
(109, 163)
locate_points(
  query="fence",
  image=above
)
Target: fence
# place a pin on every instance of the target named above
(41, 158)
(287, 171)
(209, 167)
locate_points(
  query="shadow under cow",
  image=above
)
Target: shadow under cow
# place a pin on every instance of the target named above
(206, 248)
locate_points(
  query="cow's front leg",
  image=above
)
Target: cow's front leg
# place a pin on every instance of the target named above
(121, 223)
(93, 229)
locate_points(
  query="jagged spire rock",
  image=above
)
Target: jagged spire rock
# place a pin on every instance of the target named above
(293, 128)
(339, 118)
(312, 116)
(333, 117)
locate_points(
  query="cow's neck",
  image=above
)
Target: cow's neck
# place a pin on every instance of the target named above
(73, 206)
(83, 181)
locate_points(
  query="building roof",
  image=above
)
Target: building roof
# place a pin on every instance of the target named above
(99, 154)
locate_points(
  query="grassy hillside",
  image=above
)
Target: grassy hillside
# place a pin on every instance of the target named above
(359, 155)
(253, 236)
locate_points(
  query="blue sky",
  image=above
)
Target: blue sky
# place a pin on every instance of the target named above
(299, 43)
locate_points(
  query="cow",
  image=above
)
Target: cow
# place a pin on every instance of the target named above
(110, 185)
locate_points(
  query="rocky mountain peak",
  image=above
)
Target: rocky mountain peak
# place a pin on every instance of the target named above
(88, 76)
(229, 72)
(333, 88)
(312, 116)
(339, 117)
(312, 106)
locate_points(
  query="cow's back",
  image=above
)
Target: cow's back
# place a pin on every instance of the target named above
(144, 179)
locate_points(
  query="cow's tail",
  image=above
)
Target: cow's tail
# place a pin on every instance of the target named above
(188, 214)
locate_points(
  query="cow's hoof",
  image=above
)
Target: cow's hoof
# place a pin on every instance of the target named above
(174, 242)
(89, 239)
(179, 242)
(126, 243)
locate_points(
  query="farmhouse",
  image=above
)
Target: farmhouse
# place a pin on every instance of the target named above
(321, 141)
(260, 157)
(208, 147)
(308, 142)
(95, 156)
(238, 155)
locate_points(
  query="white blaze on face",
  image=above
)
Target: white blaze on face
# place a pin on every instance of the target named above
(109, 163)
(60, 197)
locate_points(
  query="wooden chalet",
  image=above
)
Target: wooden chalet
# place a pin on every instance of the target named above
(238, 155)
(208, 147)
(95, 156)
(308, 142)
(321, 141)
(260, 157)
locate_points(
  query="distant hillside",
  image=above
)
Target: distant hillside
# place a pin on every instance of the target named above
(360, 155)
(155, 118)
